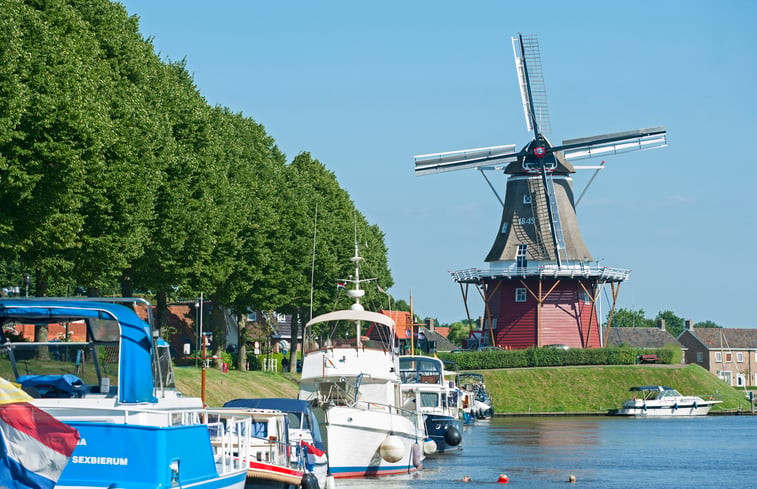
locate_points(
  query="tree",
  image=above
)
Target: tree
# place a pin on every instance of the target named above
(628, 318)
(673, 324)
(707, 324)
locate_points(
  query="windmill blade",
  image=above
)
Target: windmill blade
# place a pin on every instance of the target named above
(479, 158)
(533, 91)
(615, 143)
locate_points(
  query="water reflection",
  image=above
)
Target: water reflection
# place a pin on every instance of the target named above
(602, 453)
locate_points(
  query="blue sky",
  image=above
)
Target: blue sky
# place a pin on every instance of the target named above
(364, 86)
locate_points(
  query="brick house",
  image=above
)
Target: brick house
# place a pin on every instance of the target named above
(729, 353)
(654, 337)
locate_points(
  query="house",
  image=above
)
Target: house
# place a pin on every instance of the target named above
(655, 337)
(729, 353)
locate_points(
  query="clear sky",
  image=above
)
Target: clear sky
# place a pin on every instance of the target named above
(363, 86)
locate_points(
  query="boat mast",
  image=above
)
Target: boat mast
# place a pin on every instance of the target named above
(356, 293)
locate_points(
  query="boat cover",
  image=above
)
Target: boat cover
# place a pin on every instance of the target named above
(135, 382)
(285, 406)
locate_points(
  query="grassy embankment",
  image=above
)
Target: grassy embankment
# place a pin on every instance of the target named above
(599, 389)
(526, 390)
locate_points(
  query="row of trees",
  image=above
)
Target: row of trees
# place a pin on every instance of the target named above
(116, 176)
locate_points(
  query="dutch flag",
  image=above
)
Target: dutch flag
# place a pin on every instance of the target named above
(34, 446)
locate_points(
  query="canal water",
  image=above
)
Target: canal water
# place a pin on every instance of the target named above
(601, 452)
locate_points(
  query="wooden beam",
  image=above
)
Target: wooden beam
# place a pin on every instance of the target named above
(615, 291)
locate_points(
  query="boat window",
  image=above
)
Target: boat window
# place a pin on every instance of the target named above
(294, 420)
(429, 399)
(104, 329)
(260, 429)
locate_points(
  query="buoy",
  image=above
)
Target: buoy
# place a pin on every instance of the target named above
(417, 455)
(330, 482)
(452, 436)
(391, 449)
(309, 481)
(503, 479)
(572, 478)
(429, 446)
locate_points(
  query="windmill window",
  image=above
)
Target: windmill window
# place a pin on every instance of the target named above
(504, 227)
(520, 295)
(526, 199)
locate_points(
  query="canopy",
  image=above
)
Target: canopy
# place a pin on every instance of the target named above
(135, 382)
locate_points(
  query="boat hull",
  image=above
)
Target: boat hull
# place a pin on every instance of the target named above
(354, 437)
(437, 427)
(106, 458)
(639, 408)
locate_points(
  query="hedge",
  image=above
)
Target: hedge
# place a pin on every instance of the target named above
(551, 357)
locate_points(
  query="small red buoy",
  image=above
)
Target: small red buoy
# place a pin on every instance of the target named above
(503, 479)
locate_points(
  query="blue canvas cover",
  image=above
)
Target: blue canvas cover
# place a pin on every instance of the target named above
(284, 405)
(135, 382)
(65, 384)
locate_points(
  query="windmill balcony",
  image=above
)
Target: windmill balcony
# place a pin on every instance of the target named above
(569, 270)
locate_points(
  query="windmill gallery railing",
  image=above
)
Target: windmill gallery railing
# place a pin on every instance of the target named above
(581, 270)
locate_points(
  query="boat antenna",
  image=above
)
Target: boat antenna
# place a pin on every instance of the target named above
(312, 266)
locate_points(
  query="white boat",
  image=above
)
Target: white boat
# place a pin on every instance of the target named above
(307, 453)
(355, 386)
(116, 388)
(274, 461)
(659, 400)
(437, 400)
(477, 402)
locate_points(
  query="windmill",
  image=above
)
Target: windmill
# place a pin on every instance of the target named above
(542, 283)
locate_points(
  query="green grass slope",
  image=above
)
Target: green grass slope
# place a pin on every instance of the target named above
(221, 387)
(599, 389)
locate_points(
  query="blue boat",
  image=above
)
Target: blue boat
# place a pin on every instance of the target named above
(115, 386)
(425, 390)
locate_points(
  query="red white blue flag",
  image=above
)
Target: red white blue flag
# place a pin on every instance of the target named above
(34, 446)
(339, 285)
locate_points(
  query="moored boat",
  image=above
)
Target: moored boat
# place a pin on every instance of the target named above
(425, 389)
(115, 386)
(477, 402)
(307, 451)
(355, 386)
(660, 400)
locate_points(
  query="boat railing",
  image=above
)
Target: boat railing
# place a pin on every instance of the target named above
(410, 414)
(230, 438)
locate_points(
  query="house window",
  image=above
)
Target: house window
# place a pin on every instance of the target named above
(526, 199)
(740, 357)
(700, 357)
(520, 295)
(740, 380)
(728, 357)
(718, 357)
(587, 298)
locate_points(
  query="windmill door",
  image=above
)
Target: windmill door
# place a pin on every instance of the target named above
(520, 257)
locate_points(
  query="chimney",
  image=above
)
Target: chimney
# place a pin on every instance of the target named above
(661, 324)
(688, 325)
(431, 324)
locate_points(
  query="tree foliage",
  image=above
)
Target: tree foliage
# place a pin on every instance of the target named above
(114, 170)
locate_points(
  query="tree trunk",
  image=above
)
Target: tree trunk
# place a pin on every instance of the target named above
(41, 333)
(242, 349)
(218, 327)
(293, 343)
(127, 284)
(161, 307)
